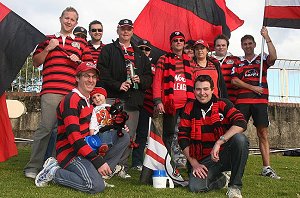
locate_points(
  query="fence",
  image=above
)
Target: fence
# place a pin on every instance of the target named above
(283, 80)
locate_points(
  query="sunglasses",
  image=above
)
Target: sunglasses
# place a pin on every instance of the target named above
(178, 40)
(147, 49)
(96, 30)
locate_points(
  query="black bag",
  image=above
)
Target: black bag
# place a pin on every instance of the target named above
(295, 152)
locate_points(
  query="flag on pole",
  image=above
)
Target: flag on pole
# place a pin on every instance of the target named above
(196, 19)
(18, 39)
(158, 158)
(282, 13)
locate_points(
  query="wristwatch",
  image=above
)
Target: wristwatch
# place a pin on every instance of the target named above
(222, 138)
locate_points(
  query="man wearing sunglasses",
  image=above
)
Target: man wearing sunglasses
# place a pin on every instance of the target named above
(95, 44)
(125, 74)
(172, 85)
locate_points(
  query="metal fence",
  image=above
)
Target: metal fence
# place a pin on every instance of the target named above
(283, 80)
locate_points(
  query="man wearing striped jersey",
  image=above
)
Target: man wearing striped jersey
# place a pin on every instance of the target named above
(227, 61)
(95, 44)
(210, 135)
(78, 166)
(60, 56)
(252, 98)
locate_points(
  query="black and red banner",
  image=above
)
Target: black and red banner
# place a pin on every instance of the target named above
(18, 39)
(285, 14)
(196, 19)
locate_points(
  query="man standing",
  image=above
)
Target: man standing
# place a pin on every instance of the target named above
(95, 44)
(78, 166)
(125, 74)
(210, 135)
(60, 56)
(172, 85)
(227, 61)
(252, 98)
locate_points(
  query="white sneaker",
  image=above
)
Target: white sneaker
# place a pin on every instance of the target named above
(123, 174)
(108, 185)
(227, 174)
(234, 192)
(138, 168)
(47, 173)
(31, 175)
(117, 169)
(269, 172)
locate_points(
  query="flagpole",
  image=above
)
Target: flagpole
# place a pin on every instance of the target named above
(262, 52)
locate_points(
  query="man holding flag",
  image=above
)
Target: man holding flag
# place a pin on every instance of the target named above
(252, 97)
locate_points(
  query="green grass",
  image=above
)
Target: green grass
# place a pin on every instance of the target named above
(14, 184)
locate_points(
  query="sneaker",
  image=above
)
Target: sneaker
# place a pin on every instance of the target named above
(123, 174)
(108, 185)
(234, 192)
(227, 174)
(31, 175)
(269, 172)
(138, 168)
(47, 173)
(117, 169)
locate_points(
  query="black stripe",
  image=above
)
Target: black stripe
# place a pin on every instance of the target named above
(207, 10)
(284, 23)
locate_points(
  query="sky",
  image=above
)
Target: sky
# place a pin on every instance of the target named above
(44, 15)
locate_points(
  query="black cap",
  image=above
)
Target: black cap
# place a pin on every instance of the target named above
(176, 34)
(125, 22)
(190, 42)
(80, 30)
(144, 43)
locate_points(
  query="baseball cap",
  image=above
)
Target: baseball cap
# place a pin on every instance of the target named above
(202, 42)
(80, 30)
(99, 90)
(86, 66)
(175, 35)
(125, 22)
(144, 43)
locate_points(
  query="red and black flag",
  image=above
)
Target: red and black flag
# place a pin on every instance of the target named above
(284, 14)
(18, 39)
(196, 19)
(158, 158)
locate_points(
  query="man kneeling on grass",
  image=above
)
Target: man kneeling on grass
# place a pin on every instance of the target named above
(77, 165)
(210, 135)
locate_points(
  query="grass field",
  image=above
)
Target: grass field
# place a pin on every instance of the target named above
(14, 184)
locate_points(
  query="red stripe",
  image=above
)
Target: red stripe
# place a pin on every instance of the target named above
(3, 11)
(156, 137)
(282, 12)
(155, 156)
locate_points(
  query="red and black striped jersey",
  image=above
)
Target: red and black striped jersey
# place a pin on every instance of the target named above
(206, 126)
(226, 64)
(248, 72)
(58, 69)
(74, 115)
(95, 52)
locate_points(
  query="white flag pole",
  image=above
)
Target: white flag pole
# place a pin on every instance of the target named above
(262, 52)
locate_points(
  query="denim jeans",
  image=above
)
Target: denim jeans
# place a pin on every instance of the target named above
(232, 158)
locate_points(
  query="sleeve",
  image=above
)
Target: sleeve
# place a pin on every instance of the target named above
(41, 47)
(86, 54)
(94, 122)
(157, 81)
(104, 67)
(71, 114)
(185, 126)
(234, 116)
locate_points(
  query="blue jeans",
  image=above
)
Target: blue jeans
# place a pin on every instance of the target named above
(82, 175)
(232, 158)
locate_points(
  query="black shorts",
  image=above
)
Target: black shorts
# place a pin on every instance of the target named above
(259, 113)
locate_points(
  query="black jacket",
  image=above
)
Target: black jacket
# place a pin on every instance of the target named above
(111, 64)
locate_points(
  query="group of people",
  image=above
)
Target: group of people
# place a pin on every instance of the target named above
(213, 93)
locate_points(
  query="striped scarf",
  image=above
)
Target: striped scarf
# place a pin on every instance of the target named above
(169, 78)
(196, 143)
